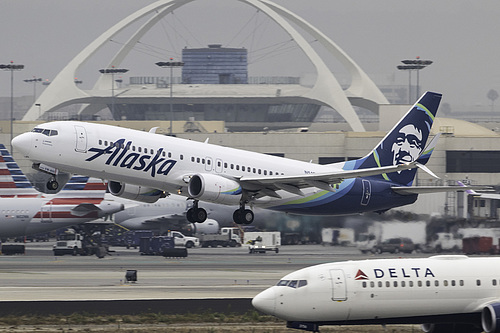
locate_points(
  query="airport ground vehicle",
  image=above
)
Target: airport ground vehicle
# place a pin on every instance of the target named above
(261, 242)
(161, 246)
(184, 241)
(395, 245)
(133, 237)
(226, 237)
(75, 243)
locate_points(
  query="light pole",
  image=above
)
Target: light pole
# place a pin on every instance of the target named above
(113, 71)
(171, 64)
(34, 80)
(12, 67)
(414, 65)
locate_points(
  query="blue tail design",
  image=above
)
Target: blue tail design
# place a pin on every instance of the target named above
(406, 141)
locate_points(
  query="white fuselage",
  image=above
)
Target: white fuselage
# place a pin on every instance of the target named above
(154, 160)
(384, 290)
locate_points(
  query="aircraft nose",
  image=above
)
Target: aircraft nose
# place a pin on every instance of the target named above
(265, 301)
(22, 143)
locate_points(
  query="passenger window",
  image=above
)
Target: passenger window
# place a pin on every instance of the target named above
(403, 284)
(364, 284)
(181, 157)
(461, 283)
(494, 282)
(419, 283)
(453, 283)
(380, 284)
(436, 283)
(237, 167)
(169, 154)
(445, 283)
(478, 282)
(100, 142)
(428, 283)
(387, 284)
(372, 284)
(410, 284)
(242, 168)
(395, 283)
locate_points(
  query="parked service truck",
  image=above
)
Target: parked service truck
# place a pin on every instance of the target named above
(226, 237)
(74, 243)
(183, 241)
(261, 242)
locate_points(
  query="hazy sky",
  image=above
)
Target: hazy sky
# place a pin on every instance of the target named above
(460, 36)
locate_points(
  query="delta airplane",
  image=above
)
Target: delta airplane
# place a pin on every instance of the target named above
(146, 166)
(25, 211)
(452, 293)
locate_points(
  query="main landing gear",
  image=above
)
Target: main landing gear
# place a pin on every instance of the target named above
(240, 216)
(196, 214)
(243, 216)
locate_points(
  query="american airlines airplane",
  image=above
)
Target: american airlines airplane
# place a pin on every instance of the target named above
(25, 211)
(445, 294)
(144, 166)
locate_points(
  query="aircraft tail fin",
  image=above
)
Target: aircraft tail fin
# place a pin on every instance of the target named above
(406, 142)
(12, 179)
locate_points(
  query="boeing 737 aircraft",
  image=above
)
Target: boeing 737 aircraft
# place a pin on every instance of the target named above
(25, 211)
(143, 166)
(443, 293)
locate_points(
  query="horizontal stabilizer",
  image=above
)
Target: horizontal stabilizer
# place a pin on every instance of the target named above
(403, 190)
(84, 208)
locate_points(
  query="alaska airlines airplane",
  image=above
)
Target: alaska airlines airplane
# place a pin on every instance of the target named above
(144, 166)
(443, 293)
(25, 211)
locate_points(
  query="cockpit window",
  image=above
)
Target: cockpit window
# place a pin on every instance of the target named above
(292, 283)
(45, 131)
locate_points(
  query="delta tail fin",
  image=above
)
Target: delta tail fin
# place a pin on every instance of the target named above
(406, 142)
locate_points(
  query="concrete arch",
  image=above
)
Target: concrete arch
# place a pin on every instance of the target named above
(62, 91)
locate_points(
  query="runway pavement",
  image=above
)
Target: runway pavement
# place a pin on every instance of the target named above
(215, 274)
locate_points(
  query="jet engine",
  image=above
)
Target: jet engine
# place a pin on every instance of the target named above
(490, 318)
(135, 192)
(214, 188)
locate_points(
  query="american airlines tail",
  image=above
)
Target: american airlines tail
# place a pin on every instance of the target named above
(14, 183)
(406, 142)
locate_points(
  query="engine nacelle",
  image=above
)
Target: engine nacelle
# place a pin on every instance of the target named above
(214, 188)
(135, 192)
(490, 318)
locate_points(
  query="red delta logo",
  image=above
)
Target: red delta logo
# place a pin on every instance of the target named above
(360, 275)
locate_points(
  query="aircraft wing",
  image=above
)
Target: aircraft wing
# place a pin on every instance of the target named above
(155, 219)
(324, 181)
(409, 190)
(84, 208)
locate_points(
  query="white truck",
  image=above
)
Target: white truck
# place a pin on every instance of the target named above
(445, 242)
(226, 237)
(337, 236)
(381, 231)
(74, 243)
(261, 242)
(184, 241)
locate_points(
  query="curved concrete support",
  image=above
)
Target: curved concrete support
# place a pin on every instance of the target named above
(361, 85)
(62, 91)
(104, 81)
(63, 88)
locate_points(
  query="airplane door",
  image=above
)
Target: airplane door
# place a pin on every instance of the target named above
(81, 139)
(367, 192)
(46, 213)
(339, 289)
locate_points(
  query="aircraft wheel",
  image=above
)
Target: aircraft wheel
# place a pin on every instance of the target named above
(52, 185)
(247, 216)
(200, 215)
(190, 215)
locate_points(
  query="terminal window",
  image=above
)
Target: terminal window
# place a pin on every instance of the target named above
(483, 161)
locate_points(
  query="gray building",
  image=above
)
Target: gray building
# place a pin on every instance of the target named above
(215, 65)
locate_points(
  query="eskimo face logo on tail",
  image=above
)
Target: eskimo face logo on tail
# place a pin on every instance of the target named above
(121, 156)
